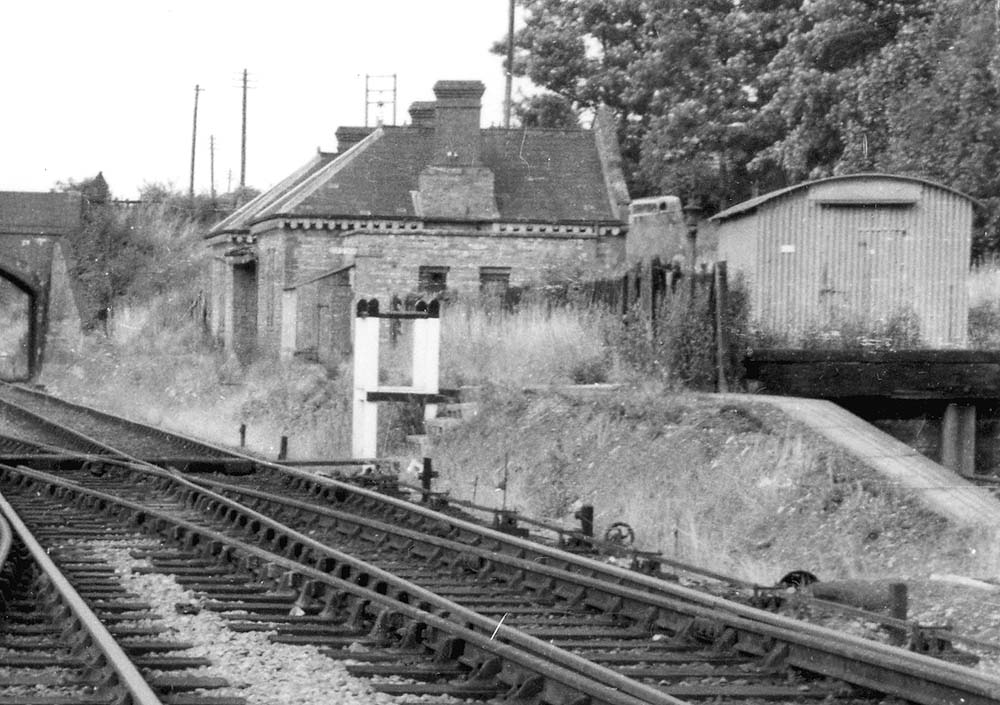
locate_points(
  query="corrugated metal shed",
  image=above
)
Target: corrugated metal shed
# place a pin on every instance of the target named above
(858, 249)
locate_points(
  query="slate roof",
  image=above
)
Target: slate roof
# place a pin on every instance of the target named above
(32, 213)
(541, 175)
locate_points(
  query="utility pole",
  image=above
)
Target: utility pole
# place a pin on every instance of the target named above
(510, 66)
(211, 159)
(374, 92)
(194, 140)
(243, 140)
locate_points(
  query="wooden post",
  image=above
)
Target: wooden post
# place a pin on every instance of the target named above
(649, 272)
(958, 439)
(898, 607)
(721, 333)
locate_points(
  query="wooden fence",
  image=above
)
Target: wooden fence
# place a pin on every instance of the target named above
(651, 289)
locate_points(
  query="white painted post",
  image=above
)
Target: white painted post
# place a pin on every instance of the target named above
(432, 357)
(365, 421)
(419, 361)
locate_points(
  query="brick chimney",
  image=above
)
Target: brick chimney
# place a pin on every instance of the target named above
(456, 128)
(347, 137)
(456, 185)
(422, 113)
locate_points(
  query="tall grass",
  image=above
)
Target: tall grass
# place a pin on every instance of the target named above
(537, 344)
(984, 304)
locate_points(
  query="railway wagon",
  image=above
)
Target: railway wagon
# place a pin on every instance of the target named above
(864, 250)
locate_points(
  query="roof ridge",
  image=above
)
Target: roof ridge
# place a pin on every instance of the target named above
(247, 210)
(307, 187)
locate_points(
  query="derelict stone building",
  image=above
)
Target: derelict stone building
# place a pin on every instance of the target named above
(438, 204)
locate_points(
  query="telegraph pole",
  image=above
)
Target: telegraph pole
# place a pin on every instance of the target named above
(211, 171)
(510, 66)
(194, 140)
(243, 139)
(374, 92)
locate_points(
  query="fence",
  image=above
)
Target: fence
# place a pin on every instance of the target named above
(651, 290)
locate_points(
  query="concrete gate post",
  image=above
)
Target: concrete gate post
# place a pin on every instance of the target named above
(365, 419)
(958, 439)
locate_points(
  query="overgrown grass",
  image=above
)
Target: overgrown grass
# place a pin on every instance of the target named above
(733, 487)
(984, 305)
(537, 344)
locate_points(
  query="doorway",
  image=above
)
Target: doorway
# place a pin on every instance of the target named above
(245, 310)
(17, 330)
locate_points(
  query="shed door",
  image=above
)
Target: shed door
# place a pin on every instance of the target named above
(886, 282)
(334, 313)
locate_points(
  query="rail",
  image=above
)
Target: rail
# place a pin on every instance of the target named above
(128, 675)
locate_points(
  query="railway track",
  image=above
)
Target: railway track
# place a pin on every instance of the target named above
(663, 640)
(71, 634)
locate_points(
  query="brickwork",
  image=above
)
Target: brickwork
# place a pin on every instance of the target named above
(271, 279)
(465, 193)
(217, 298)
(36, 262)
(390, 263)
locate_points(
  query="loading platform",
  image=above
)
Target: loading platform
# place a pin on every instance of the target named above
(941, 490)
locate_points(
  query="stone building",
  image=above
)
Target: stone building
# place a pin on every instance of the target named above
(441, 203)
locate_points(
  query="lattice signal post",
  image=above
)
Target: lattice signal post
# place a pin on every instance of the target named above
(368, 394)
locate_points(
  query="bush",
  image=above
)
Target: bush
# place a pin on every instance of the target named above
(898, 331)
(984, 325)
(681, 346)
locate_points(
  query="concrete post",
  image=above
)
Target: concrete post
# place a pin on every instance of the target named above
(432, 358)
(958, 439)
(365, 421)
(419, 352)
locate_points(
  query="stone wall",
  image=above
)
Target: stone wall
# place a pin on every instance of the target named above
(385, 264)
(390, 263)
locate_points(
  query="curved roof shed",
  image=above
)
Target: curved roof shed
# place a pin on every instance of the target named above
(859, 249)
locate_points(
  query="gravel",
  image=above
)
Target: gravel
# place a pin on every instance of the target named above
(260, 671)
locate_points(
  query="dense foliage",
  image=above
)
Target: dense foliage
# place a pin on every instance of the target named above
(132, 250)
(718, 100)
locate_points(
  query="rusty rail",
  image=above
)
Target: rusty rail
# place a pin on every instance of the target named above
(127, 674)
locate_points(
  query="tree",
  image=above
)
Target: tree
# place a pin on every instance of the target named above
(107, 255)
(718, 100)
(582, 51)
(546, 110)
(679, 76)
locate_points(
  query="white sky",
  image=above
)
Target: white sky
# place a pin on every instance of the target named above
(108, 85)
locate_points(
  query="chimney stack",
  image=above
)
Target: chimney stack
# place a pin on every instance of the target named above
(422, 113)
(347, 137)
(456, 123)
(456, 185)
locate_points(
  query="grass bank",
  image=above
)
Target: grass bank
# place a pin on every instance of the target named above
(739, 488)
